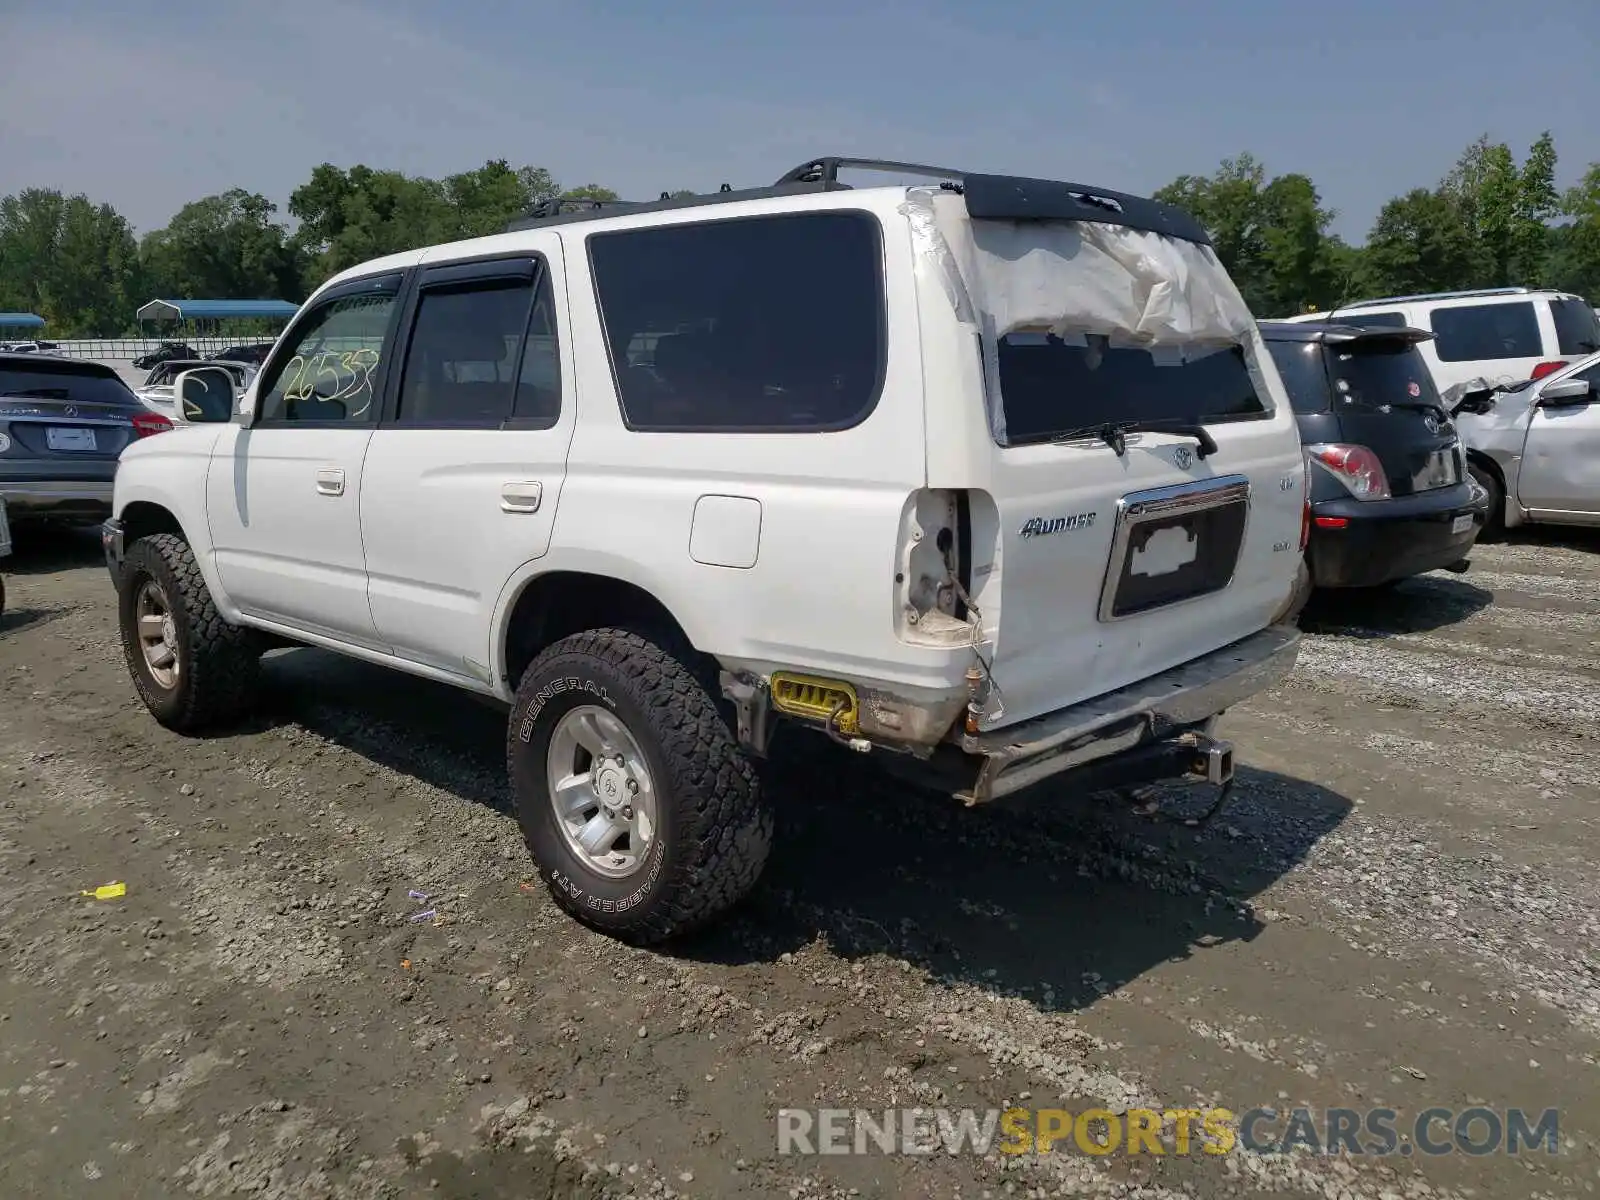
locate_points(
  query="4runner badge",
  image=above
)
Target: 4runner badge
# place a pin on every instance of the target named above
(1043, 526)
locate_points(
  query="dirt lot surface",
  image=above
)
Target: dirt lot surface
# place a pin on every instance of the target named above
(1398, 909)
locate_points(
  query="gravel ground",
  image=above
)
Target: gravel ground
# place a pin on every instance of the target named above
(1398, 909)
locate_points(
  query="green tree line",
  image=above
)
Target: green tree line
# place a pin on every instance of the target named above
(1491, 221)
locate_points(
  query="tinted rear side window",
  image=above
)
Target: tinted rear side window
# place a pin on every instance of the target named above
(761, 324)
(64, 381)
(1486, 331)
(1049, 386)
(1577, 329)
(1300, 365)
(1372, 320)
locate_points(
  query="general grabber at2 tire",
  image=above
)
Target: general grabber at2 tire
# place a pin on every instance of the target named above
(193, 670)
(644, 815)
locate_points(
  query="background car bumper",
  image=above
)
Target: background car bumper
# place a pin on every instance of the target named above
(1385, 540)
(88, 498)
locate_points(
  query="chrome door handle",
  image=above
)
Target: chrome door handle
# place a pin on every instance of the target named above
(330, 482)
(521, 497)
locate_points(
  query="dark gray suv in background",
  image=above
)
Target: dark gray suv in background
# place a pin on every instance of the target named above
(62, 425)
(1390, 492)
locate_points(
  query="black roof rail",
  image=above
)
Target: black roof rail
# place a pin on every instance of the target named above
(826, 170)
(557, 205)
(988, 197)
(560, 212)
(1466, 294)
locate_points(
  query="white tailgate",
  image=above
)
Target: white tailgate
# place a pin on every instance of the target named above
(1080, 324)
(1056, 640)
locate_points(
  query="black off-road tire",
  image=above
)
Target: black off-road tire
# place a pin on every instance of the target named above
(714, 828)
(1494, 526)
(219, 664)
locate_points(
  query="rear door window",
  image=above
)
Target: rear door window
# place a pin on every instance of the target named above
(1577, 329)
(461, 367)
(1049, 386)
(1486, 332)
(1300, 366)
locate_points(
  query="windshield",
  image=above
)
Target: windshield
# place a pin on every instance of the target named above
(1372, 373)
(1577, 330)
(72, 382)
(1049, 386)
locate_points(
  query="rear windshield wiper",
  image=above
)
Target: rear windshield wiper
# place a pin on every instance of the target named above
(1113, 433)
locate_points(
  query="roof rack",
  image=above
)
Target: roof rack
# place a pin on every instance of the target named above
(826, 170)
(988, 197)
(1462, 295)
(559, 211)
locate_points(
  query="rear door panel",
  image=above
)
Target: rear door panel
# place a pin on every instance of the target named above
(452, 507)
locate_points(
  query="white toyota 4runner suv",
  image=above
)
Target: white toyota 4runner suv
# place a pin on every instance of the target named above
(991, 477)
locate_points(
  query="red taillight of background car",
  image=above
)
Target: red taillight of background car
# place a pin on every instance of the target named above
(147, 423)
(1356, 467)
(1544, 368)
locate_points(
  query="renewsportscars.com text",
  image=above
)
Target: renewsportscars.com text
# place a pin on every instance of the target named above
(1377, 1132)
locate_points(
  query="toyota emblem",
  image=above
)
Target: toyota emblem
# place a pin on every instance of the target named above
(1184, 457)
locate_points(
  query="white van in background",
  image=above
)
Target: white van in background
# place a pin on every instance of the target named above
(1504, 335)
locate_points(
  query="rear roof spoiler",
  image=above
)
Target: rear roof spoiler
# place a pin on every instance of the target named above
(1019, 198)
(1337, 333)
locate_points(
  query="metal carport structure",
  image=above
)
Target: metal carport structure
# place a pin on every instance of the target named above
(216, 310)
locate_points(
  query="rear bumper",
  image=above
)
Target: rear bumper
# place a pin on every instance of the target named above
(1153, 729)
(1385, 540)
(32, 490)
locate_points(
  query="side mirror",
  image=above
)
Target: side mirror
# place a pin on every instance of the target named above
(204, 396)
(1566, 394)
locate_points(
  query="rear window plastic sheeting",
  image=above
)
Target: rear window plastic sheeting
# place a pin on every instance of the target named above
(1128, 289)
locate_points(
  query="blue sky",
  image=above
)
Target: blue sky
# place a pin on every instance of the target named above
(148, 111)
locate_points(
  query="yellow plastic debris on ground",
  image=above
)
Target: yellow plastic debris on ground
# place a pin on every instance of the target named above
(107, 891)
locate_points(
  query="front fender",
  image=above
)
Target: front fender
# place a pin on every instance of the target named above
(172, 476)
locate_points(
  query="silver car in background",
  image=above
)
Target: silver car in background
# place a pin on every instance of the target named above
(156, 390)
(1535, 445)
